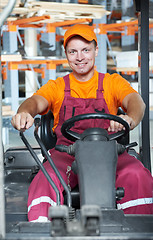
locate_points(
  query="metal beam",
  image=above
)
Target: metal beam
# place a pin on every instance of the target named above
(143, 50)
(3, 16)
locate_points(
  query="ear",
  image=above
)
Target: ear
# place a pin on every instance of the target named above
(96, 51)
(65, 53)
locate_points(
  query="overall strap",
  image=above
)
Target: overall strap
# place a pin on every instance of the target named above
(100, 84)
(67, 85)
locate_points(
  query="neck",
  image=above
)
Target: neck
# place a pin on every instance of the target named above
(84, 77)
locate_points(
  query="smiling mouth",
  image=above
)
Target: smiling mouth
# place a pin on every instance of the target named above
(80, 64)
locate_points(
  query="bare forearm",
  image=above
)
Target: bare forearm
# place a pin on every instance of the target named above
(135, 109)
(29, 106)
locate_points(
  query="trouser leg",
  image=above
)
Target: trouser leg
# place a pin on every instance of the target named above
(41, 195)
(138, 186)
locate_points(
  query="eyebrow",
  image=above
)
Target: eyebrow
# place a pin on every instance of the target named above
(73, 49)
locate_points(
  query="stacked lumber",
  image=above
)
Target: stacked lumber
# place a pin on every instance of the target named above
(56, 11)
(11, 57)
(3, 4)
(128, 60)
(6, 111)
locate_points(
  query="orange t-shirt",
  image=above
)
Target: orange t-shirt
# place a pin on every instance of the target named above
(115, 89)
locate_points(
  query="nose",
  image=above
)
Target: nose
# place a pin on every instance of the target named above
(80, 56)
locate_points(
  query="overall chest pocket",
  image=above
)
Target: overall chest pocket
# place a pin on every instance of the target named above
(84, 106)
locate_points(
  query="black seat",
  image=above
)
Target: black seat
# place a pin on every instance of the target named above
(46, 133)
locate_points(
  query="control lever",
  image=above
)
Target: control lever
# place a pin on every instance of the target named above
(34, 155)
(68, 149)
(121, 148)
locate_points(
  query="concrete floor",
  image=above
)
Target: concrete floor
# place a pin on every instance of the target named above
(13, 139)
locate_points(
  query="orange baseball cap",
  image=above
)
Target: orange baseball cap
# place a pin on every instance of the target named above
(82, 30)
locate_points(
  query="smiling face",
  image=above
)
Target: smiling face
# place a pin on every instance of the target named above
(81, 57)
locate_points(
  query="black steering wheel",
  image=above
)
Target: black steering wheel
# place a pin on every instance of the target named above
(73, 136)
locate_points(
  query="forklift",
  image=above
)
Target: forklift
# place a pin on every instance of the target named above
(88, 212)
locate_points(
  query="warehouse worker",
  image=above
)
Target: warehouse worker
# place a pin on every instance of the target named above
(86, 91)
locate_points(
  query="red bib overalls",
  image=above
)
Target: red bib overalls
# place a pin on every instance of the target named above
(136, 180)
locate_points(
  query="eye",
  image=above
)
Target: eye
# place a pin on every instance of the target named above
(86, 50)
(71, 51)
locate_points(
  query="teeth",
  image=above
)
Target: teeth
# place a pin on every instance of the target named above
(81, 64)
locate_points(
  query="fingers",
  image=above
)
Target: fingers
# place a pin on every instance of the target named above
(22, 121)
(129, 120)
(115, 126)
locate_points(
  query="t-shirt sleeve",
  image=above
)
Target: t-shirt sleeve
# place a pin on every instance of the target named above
(51, 92)
(117, 88)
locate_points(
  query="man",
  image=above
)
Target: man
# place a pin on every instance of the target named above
(85, 91)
